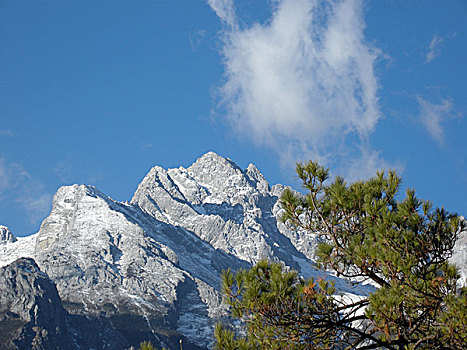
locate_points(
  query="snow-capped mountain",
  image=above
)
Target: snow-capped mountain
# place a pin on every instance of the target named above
(149, 269)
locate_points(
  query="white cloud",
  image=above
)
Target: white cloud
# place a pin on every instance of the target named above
(434, 49)
(433, 115)
(304, 82)
(18, 186)
(224, 9)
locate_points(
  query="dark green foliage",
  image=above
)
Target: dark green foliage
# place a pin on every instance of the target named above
(273, 302)
(403, 247)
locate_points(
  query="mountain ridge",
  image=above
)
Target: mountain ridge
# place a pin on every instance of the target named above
(150, 267)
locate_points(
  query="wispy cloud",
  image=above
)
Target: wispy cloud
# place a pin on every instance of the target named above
(304, 83)
(18, 186)
(224, 9)
(64, 170)
(434, 49)
(433, 115)
(367, 163)
(4, 178)
(196, 38)
(148, 146)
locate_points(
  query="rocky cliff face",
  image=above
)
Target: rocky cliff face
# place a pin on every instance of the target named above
(112, 260)
(233, 210)
(31, 313)
(6, 236)
(149, 269)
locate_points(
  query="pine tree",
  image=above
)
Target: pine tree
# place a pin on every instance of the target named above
(402, 247)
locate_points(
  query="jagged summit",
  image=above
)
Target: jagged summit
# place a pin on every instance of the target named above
(79, 190)
(213, 160)
(6, 236)
(211, 156)
(223, 175)
(212, 181)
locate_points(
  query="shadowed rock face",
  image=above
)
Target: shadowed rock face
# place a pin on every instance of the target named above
(31, 313)
(6, 236)
(149, 269)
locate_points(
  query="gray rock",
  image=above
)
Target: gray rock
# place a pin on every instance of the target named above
(233, 210)
(459, 256)
(31, 313)
(111, 260)
(6, 236)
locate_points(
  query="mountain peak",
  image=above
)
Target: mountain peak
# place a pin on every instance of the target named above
(69, 204)
(82, 189)
(212, 157)
(69, 196)
(210, 154)
(210, 167)
(6, 236)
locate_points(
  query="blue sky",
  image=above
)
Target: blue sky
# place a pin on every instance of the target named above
(98, 92)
